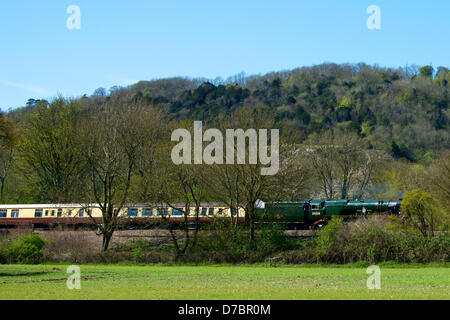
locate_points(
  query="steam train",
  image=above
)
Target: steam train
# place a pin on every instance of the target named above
(313, 214)
(304, 214)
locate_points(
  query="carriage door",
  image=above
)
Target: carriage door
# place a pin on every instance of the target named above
(306, 209)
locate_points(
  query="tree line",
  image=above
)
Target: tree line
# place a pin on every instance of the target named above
(346, 132)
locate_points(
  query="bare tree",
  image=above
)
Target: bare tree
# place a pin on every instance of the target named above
(225, 186)
(342, 163)
(241, 185)
(184, 184)
(179, 187)
(113, 140)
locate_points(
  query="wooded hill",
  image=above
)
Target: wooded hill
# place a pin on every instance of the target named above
(406, 110)
(403, 112)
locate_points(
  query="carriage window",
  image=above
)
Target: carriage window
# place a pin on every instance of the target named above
(70, 213)
(220, 211)
(53, 213)
(46, 213)
(15, 214)
(203, 211)
(233, 212)
(59, 214)
(37, 213)
(211, 212)
(147, 212)
(132, 212)
(177, 212)
(162, 211)
(3, 213)
(81, 213)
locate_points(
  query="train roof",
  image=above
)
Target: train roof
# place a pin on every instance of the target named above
(259, 204)
(96, 205)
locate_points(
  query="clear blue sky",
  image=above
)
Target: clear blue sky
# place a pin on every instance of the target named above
(121, 42)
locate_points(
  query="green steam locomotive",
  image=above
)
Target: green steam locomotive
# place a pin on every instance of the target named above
(313, 214)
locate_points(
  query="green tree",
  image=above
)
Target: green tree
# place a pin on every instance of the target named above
(438, 182)
(422, 213)
(48, 152)
(426, 71)
(8, 140)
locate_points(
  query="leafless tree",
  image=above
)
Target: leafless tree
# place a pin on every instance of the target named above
(342, 163)
(242, 185)
(113, 141)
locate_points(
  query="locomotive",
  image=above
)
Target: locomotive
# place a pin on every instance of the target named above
(313, 214)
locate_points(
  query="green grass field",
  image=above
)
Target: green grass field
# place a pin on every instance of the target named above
(223, 282)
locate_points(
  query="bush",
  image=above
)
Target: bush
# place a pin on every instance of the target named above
(4, 252)
(374, 239)
(223, 242)
(365, 240)
(272, 239)
(327, 239)
(27, 249)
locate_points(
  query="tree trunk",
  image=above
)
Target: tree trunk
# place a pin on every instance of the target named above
(2, 190)
(251, 215)
(106, 240)
(186, 231)
(197, 212)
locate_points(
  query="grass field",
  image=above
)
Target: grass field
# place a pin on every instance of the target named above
(223, 282)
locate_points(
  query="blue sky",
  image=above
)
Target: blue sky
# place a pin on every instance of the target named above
(121, 42)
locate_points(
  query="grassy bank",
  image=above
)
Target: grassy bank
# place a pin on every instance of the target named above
(223, 282)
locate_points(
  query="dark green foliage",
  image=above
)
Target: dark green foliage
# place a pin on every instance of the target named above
(209, 100)
(224, 243)
(27, 249)
(426, 71)
(272, 239)
(4, 245)
(401, 151)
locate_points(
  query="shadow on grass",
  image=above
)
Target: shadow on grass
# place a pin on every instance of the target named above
(22, 274)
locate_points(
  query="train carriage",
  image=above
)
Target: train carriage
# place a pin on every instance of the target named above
(301, 214)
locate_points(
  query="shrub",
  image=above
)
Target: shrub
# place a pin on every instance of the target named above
(375, 239)
(27, 249)
(4, 252)
(223, 242)
(138, 248)
(327, 239)
(71, 246)
(272, 238)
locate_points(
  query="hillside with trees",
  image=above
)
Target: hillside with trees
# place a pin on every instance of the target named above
(388, 128)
